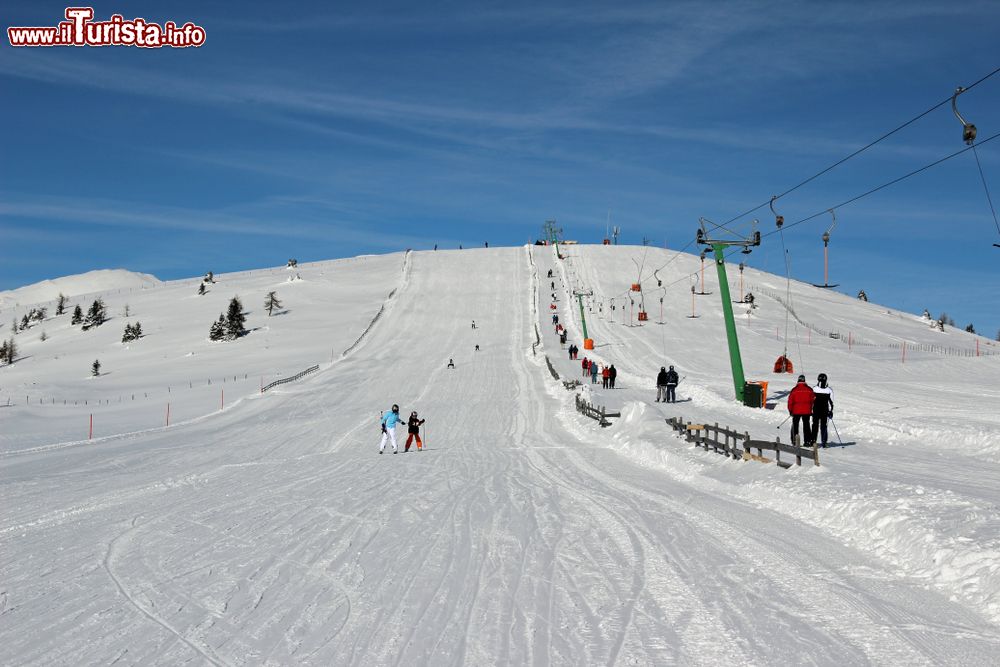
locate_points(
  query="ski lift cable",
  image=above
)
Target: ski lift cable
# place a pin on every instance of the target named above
(863, 149)
(885, 185)
(986, 188)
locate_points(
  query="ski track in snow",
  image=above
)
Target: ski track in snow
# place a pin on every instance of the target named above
(273, 532)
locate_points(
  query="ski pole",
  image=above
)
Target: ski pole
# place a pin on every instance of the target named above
(783, 421)
(836, 431)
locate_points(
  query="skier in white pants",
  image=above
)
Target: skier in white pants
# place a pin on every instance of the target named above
(389, 422)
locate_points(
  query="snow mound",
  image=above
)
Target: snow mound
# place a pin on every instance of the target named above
(100, 280)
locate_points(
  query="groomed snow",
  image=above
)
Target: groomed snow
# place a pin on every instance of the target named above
(272, 532)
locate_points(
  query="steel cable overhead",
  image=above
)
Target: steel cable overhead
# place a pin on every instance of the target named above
(860, 150)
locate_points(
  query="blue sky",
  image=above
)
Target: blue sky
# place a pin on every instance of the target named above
(345, 129)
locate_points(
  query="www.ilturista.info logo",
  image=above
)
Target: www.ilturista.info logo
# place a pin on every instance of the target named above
(79, 29)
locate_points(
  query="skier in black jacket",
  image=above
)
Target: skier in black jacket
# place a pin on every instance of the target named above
(672, 382)
(413, 428)
(822, 408)
(661, 384)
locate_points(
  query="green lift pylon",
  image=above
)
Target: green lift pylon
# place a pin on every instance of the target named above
(719, 247)
(588, 343)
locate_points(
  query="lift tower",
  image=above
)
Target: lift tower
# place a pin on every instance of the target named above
(719, 246)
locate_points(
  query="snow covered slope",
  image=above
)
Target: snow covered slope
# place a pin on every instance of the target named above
(271, 532)
(92, 282)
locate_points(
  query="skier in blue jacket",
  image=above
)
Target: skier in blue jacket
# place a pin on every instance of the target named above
(389, 421)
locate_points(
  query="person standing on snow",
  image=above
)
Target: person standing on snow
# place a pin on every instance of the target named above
(389, 421)
(822, 408)
(413, 428)
(800, 407)
(661, 385)
(612, 374)
(672, 382)
(605, 376)
(586, 366)
(593, 372)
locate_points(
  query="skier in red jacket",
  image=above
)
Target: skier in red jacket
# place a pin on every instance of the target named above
(800, 407)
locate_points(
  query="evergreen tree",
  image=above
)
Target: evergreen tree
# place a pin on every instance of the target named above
(132, 332)
(271, 302)
(77, 315)
(971, 329)
(11, 351)
(38, 314)
(24, 323)
(13, 325)
(218, 330)
(95, 368)
(44, 337)
(201, 288)
(96, 316)
(235, 320)
(126, 310)
(3, 353)
(61, 304)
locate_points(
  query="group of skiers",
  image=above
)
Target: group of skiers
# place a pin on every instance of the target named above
(607, 372)
(666, 385)
(815, 403)
(389, 422)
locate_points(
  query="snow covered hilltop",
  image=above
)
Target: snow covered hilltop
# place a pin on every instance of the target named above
(264, 528)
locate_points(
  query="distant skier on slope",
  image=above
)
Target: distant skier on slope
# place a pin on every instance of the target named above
(389, 421)
(822, 408)
(800, 407)
(413, 430)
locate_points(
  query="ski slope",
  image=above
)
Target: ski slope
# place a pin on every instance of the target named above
(272, 532)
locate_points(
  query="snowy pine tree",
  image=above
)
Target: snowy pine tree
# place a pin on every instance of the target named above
(8, 351)
(44, 337)
(971, 329)
(96, 316)
(235, 320)
(77, 315)
(218, 330)
(61, 304)
(132, 332)
(95, 368)
(24, 323)
(271, 302)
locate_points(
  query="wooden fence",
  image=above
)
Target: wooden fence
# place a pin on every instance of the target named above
(594, 412)
(295, 377)
(552, 368)
(739, 445)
